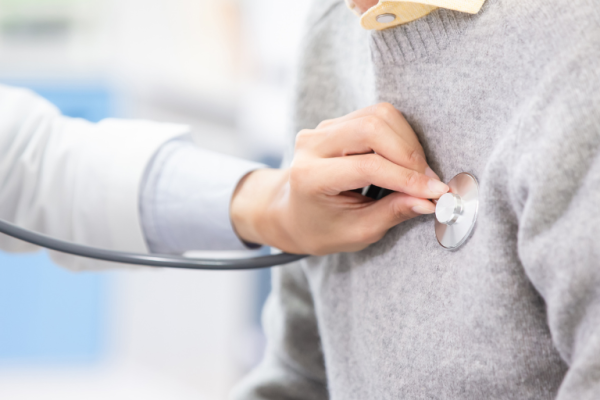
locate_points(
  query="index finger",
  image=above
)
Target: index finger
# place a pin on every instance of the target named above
(336, 175)
(389, 114)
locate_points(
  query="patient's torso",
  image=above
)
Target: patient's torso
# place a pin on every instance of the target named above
(405, 312)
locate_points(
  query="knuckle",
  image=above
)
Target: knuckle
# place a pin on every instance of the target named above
(301, 179)
(411, 178)
(385, 110)
(371, 126)
(297, 175)
(325, 123)
(368, 164)
(304, 137)
(415, 157)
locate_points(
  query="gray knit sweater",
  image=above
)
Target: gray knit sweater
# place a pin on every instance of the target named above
(512, 95)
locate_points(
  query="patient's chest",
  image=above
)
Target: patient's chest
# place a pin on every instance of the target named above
(405, 312)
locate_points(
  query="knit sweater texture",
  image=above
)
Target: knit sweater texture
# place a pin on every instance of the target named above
(511, 95)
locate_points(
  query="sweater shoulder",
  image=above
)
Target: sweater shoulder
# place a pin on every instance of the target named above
(561, 41)
(557, 26)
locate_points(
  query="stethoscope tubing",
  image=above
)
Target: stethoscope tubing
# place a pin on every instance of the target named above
(149, 260)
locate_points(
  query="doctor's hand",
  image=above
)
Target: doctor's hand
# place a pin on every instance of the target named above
(310, 208)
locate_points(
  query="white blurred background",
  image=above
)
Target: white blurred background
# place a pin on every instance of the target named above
(222, 66)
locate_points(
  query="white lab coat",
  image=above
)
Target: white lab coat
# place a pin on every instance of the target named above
(72, 179)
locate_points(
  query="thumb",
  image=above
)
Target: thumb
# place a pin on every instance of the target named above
(396, 208)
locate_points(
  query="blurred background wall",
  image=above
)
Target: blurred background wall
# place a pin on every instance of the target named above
(222, 66)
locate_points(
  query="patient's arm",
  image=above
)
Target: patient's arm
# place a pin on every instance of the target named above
(556, 191)
(293, 366)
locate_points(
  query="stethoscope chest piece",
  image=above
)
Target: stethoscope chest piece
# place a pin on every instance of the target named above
(456, 211)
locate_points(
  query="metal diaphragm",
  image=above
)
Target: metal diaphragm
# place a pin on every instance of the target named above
(456, 211)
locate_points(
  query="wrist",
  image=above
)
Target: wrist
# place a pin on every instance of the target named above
(253, 206)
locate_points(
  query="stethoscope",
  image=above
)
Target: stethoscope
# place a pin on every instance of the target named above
(455, 212)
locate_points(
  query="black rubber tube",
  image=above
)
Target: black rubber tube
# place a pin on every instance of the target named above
(150, 260)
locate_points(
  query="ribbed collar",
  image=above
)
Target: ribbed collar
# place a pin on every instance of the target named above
(420, 38)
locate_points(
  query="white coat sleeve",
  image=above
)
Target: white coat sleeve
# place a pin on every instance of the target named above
(72, 179)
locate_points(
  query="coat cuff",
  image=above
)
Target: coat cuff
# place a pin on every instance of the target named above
(186, 198)
(114, 158)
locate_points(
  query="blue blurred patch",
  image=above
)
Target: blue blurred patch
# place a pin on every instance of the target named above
(48, 314)
(88, 101)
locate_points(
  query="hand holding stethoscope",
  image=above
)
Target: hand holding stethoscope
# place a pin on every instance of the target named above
(319, 205)
(313, 207)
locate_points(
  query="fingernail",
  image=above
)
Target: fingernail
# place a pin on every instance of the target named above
(437, 187)
(424, 209)
(429, 172)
